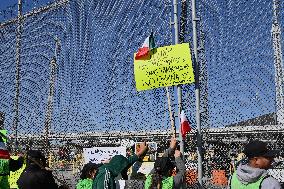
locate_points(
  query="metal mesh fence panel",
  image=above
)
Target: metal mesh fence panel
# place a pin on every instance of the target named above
(90, 90)
(88, 32)
(242, 89)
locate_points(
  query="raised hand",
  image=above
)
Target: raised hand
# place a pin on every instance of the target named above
(177, 153)
(143, 149)
(173, 143)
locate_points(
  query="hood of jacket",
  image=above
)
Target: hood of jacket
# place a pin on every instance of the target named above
(247, 174)
(117, 164)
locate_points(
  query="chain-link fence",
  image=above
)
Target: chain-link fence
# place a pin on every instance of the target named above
(74, 61)
(243, 59)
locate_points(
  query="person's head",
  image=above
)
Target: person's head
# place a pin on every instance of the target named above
(89, 171)
(128, 152)
(259, 155)
(35, 157)
(163, 168)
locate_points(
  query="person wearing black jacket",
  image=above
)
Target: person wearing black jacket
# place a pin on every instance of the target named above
(35, 175)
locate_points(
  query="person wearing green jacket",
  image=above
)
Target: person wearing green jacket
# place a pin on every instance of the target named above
(87, 176)
(105, 178)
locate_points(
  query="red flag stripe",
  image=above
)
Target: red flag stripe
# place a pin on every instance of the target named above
(142, 52)
(4, 154)
(185, 125)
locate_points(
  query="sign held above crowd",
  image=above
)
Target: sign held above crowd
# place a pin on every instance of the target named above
(166, 66)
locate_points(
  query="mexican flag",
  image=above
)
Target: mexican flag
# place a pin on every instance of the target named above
(185, 125)
(144, 51)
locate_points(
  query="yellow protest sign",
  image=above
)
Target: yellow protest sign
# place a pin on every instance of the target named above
(167, 66)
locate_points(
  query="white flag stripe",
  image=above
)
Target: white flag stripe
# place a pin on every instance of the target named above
(183, 117)
(146, 42)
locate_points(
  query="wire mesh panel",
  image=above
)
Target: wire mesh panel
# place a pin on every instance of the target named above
(242, 75)
(93, 45)
(94, 86)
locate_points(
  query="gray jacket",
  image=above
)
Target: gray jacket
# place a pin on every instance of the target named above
(247, 174)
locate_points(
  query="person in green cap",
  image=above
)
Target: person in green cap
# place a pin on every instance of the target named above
(105, 178)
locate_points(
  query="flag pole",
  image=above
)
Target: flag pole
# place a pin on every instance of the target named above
(179, 93)
(18, 73)
(171, 114)
(197, 92)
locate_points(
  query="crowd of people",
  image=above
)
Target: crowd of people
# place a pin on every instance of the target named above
(168, 172)
(105, 175)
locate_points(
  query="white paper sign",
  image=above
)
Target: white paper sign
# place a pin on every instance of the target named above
(146, 168)
(120, 184)
(100, 154)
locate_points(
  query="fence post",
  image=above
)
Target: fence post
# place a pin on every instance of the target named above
(49, 108)
(278, 62)
(17, 83)
(179, 94)
(197, 91)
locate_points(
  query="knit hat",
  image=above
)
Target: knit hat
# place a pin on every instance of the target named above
(87, 168)
(35, 154)
(163, 165)
(259, 149)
